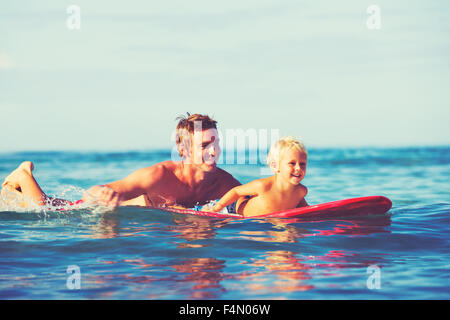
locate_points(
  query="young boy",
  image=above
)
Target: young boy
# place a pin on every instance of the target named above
(287, 159)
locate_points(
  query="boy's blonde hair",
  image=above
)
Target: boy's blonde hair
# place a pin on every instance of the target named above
(281, 146)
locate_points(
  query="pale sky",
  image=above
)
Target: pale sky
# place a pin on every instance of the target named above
(310, 69)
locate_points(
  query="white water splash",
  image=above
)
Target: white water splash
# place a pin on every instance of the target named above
(15, 201)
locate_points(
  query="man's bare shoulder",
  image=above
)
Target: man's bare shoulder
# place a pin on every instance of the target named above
(157, 172)
(169, 164)
(161, 166)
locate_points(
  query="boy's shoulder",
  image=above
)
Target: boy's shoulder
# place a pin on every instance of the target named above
(303, 189)
(265, 183)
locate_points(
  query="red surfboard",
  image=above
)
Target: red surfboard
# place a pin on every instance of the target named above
(355, 207)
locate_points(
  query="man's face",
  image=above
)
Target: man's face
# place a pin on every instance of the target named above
(205, 149)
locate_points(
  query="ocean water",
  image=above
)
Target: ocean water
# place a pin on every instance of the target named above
(138, 253)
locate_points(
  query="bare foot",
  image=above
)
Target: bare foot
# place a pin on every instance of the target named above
(28, 166)
(8, 194)
(13, 180)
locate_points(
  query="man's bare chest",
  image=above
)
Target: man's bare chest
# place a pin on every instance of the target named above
(184, 195)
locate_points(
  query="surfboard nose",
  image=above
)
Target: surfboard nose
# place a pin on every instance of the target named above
(384, 204)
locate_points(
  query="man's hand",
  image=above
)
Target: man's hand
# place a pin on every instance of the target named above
(103, 196)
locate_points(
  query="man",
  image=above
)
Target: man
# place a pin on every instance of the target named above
(195, 179)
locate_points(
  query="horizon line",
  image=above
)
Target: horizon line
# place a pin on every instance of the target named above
(169, 149)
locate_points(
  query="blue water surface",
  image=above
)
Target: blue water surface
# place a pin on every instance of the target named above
(138, 253)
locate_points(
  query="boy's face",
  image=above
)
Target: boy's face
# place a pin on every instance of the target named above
(205, 149)
(292, 166)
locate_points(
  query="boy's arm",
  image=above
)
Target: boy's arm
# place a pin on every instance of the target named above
(132, 186)
(250, 189)
(303, 202)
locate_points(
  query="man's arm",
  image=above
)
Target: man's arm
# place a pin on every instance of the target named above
(134, 185)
